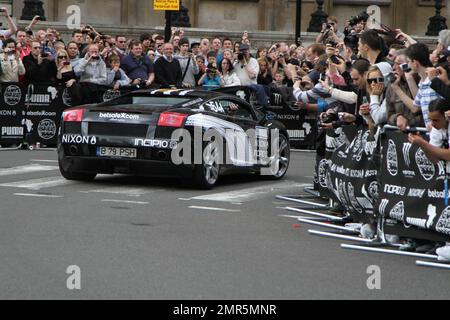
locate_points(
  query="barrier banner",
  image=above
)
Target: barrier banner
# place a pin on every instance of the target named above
(33, 112)
(413, 190)
(352, 174)
(334, 139)
(11, 113)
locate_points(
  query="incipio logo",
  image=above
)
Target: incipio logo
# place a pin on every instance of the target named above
(116, 116)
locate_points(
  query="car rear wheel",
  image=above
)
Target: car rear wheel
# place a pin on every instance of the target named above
(206, 175)
(66, 172)
(279, 163)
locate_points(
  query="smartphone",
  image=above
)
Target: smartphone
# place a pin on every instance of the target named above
(66, 63)
(322, 77)
(334, 58)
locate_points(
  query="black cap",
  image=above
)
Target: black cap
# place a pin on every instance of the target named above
(193, 44)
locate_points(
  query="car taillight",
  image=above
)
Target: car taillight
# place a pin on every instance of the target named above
(74, 115)
(171, 119)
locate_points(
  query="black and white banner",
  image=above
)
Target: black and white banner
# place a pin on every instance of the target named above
(352, 172)
(413, 188)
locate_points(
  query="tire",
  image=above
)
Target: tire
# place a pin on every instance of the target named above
(207, 174)
(283, 158)
(72, 175)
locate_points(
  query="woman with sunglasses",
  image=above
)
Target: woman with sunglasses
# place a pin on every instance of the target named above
(376, 112)
(66, 76)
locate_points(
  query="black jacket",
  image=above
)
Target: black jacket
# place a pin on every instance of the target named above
(43, 73)
(441, 88)
(167, 73)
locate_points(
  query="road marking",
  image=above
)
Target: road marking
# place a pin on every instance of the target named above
(131, 192)
(124, 201)
(249, 194)
(37, 195)
(26, 169)
(46, 161)
(214, 209)
(38, 184)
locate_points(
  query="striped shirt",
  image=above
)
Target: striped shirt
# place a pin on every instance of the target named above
(424, 97)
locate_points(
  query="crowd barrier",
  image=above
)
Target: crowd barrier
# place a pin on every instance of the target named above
(32, 113)
(381, 175)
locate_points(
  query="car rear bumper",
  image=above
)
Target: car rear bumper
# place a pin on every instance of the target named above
(151, 168)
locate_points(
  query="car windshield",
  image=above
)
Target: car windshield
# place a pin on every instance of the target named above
(148, 100)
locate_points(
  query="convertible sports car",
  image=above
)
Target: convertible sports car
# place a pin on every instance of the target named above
(134, 134)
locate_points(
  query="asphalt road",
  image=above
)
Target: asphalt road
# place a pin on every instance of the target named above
(135, 238)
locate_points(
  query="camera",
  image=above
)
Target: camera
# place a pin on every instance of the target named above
(330, 118)
(391, 78)
(66, 63)
(95, 58)
(240, 56)
(280, 56)
(2, 10)
(405, 67)
(362, 17)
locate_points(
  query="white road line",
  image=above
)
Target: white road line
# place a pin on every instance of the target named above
(26, 169)
(38, 184)
(46, 161)
(214, 209)
(250, 194)
(37, 195)
(124, 201)
(131, 192)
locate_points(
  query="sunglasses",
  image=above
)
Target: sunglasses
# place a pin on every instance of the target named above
(62, 57)
(375, 80)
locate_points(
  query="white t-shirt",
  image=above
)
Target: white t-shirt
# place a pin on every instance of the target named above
(437, 137)
(242, 73)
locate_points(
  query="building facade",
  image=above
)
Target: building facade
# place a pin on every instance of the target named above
(412, 16)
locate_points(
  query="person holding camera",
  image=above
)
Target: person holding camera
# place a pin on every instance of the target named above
(11, 65)
(330, 32)
(419, 62)
(188, 64)
(400, 98)
(138, 67)
(12, 26)
(39, 65)
(92, 72)
(247, 67)
(211, 79)
(66, 76)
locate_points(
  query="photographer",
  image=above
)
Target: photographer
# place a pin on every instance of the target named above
(247, 68)
(138, 66)
(211, 79)
(92, 72)
(330, 32)
(188, 65)
(12, 26)
(66, 76)
(11, 65)
(399, 98)
(418, 55)
(39, 65)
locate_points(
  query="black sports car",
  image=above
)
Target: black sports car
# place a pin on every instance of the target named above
(168, 133)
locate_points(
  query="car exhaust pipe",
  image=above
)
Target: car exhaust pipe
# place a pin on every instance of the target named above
(73, 150)
(162, 155)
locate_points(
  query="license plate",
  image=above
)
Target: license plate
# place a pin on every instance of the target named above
(117, 152)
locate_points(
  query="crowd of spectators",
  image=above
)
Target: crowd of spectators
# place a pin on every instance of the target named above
(358, 75)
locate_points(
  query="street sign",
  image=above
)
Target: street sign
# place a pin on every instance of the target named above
(171, 5)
